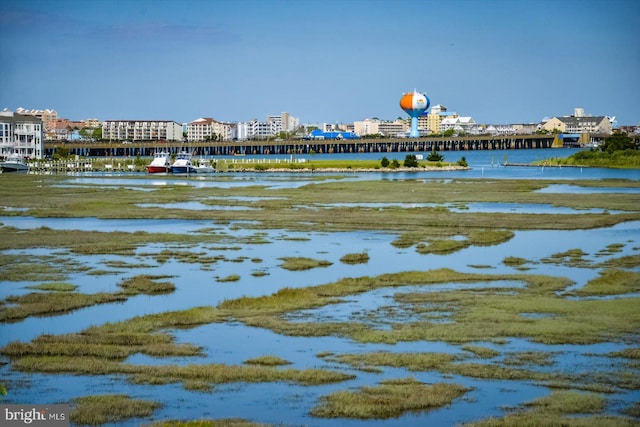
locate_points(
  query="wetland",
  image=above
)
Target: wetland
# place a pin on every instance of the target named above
(431, 298)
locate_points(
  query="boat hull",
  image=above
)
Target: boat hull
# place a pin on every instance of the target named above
(158, 169)
(11, 167)
(183, 169)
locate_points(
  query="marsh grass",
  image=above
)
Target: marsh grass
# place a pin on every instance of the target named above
(538, 358)
(476, 314)
(51, 303)
(570, 258)
(55, 302)
(355, 258)
(483, 352)
(302, 263)
(442, 247)
(411, 361)
(54, 287)
(514, 261)
(146, 284)
(629, 353)
(165, 374)
(392, 398)
(267, 361)
(123, 264)
(634, 410)
(230, 278)
(259, 273)
(611, 282)
(629, 261)
(110, 408)
(489, 237)
(561, 408)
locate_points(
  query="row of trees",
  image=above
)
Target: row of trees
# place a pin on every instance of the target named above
(411, 161)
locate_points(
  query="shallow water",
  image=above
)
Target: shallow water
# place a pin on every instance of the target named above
(233, 343)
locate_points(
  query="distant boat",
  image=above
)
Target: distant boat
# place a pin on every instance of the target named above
(204, 166)
(14, 163)
(182, 164)
(161, 163)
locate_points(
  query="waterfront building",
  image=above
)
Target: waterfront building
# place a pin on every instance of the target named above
(141, 130)
(432, 122)
(393, 129)
(579, 124)
(21, 134)
(206, 128)
(458, 124)
(48, 117)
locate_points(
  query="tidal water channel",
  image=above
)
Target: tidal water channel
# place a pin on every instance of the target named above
(258, 268)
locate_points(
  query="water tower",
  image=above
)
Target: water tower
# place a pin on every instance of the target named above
(414, 104)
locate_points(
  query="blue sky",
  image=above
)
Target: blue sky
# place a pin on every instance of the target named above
(499, 61)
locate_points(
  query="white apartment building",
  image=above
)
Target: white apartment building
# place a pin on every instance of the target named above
(207, 128)
(48, 117)
(141, 130)
(21, 134)
(270, 128)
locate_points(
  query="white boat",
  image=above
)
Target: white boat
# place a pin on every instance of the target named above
(14, 163)
(161, 163)
(204, 166)
(182, 164)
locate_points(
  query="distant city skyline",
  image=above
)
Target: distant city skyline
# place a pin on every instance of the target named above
(326, 61)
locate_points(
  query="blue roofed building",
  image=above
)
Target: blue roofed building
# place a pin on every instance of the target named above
(333, 134)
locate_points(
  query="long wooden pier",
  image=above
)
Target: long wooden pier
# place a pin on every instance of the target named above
(271, 147)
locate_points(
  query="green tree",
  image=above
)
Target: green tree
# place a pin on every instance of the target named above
(384, 162)
(617, 142)
(411, 161)
(463, 162)
(85, 134)
(395, 164)
(96, 134)
(434, 156)
(448, 132)
(61, 153)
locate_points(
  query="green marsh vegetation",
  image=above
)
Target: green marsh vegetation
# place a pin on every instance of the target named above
(56, 302)
(109, 408)
(392, 398)
(267, 361)
(302, 263)
(476, 314)
(561, 408)
(541, 309)
(356, 258)
(296, 209)
(54, 286)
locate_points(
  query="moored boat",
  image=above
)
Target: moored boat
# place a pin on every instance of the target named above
(182, 164)
(14, 163)
(204, 166)
(161, 163)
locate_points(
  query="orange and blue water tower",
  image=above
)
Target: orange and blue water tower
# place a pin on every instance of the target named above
(414, 104)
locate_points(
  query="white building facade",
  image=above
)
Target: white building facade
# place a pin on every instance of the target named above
(206, 128)
(141, 130)
(20, 134)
